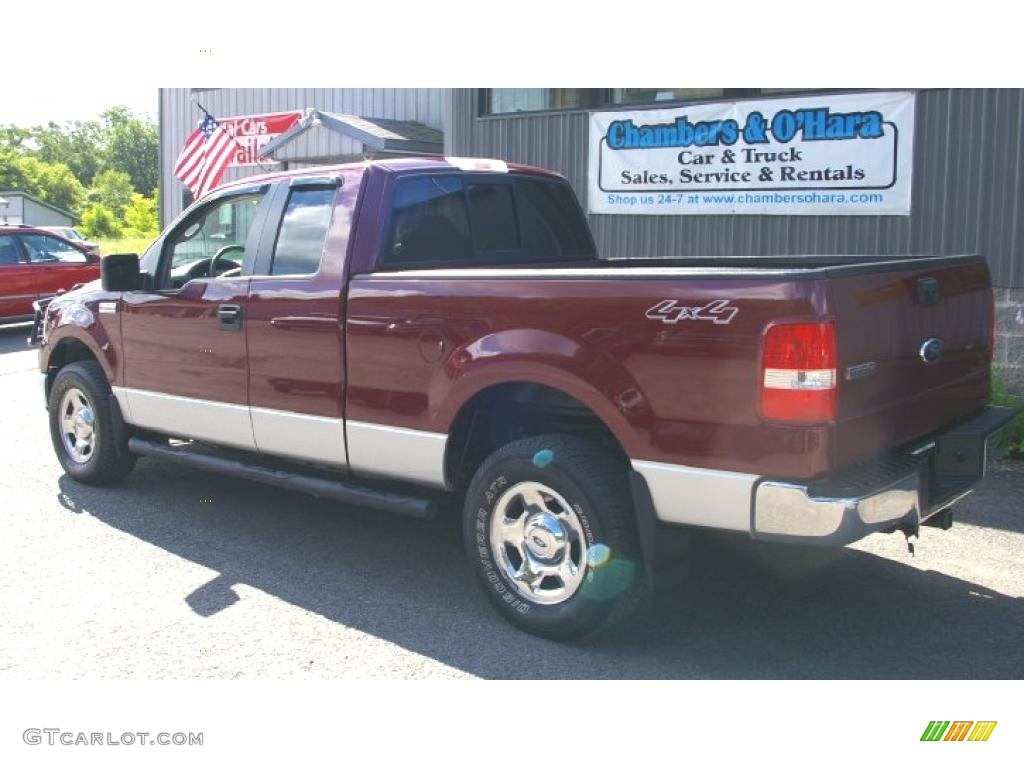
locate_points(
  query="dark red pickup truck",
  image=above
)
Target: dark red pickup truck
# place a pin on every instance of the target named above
(387, 332)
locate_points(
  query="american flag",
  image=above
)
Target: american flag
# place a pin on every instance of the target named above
(204, 157)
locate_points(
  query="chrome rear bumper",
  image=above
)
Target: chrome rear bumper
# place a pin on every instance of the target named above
(793, 512)
(900, 491)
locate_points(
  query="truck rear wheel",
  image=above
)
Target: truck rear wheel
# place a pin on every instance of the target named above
(85, 429)
(550, 531)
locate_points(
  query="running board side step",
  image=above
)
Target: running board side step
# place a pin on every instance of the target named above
(321, 487)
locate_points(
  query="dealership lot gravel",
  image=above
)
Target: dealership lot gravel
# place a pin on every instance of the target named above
(181, 574)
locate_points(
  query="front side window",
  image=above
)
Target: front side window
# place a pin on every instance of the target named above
(300, 240)
(43, 249)
(214, 236)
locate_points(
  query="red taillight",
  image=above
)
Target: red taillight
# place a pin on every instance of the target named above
(798, 373)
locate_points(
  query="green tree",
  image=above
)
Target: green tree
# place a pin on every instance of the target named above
(78, 145)
(14, 175)
(113, 189)
(13, 137)
(114, 158)
(99, 221)
(131, 146)
(140, 217)
(59, 186)
(52, 182)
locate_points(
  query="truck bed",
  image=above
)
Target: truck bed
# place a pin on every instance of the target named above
(686, 392)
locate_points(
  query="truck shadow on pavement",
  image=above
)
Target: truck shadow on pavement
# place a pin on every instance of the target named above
(408, 582)
(13, 338)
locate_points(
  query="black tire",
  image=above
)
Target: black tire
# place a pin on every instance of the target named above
(108, 458)
(595, 485)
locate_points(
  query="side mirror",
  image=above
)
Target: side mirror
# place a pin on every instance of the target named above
(119, 272)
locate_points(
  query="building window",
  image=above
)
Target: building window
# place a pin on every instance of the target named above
(502, 100)
(646, 95)
(498, 101)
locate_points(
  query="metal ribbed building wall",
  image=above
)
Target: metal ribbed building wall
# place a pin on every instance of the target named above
(968, 187)
(179, 117)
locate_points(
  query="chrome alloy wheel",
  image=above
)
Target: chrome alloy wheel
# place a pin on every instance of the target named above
(77, 426)
(537, 538)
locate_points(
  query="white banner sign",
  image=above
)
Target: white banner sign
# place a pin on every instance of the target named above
(848, 154)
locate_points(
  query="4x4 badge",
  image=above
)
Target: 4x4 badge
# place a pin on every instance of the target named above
(719, 311)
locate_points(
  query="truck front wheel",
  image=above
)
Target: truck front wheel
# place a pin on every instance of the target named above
(89, 441)
(550, 531)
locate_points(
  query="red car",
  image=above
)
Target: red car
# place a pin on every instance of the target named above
(35, 264)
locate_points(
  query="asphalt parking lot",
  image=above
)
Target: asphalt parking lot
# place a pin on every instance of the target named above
(180, 574)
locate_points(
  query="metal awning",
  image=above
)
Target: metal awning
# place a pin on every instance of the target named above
(329, 137)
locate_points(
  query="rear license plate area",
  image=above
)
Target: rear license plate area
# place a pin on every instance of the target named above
(953, 468)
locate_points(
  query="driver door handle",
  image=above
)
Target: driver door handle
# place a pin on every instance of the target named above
(229, 317)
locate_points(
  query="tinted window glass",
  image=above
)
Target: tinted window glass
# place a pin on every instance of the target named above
(300, 241)
(428, 222)
(494, 218)
(552, 226)
(43, 248)
(528, 99)
(435, 221)
(9, 253)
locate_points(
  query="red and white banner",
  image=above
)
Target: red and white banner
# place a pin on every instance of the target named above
(252, 132)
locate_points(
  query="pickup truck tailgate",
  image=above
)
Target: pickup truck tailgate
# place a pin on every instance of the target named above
(913, 350)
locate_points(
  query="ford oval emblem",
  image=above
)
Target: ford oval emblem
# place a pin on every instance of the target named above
(931, 351)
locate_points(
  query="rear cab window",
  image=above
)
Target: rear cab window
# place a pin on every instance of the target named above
(478, 220)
